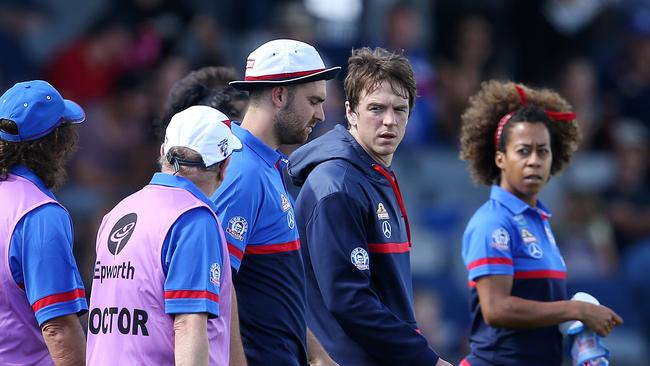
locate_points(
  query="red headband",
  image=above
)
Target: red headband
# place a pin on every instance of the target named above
(523, 100)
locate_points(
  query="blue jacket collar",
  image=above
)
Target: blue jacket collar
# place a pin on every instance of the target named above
(270, 156)
(169, 180)
(514, 204)
(28, 174)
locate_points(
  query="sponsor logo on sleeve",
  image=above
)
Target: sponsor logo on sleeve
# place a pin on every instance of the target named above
(360, 259)
(549, 234)
(527, 236)
(386, 229)
(215, 274)
(535, 251)
(291, 221)
(382, 214)
(286, 205)
(237, 227)
(500, 239)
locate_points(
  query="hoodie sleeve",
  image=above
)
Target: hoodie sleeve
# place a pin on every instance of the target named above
(336, 236)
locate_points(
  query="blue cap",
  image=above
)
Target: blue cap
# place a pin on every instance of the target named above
(37, 109)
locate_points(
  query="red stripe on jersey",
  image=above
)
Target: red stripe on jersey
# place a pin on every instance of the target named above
(560, 275)
(191, 294)
(484, 261)
(57, 298)
(282, 76)
(273, 248)
(389, 248)
(236, 252)
(464, 362)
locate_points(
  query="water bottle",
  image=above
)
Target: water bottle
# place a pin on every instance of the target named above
(600, 361)
(587, 349)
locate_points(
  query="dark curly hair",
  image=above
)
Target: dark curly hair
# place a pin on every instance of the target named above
(490, 104)
(46, 157)
(206, 86)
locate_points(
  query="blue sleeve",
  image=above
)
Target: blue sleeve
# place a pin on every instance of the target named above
(41, 262)
(487, 246)
(237, 201)
(334, 230)
(192, 260)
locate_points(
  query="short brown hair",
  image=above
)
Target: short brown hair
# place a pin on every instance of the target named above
(490, 104)
(368, 68)
(46, 156)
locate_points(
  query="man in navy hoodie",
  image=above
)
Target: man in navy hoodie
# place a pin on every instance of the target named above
(353, 224)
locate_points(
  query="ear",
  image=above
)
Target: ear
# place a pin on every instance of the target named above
(162, 149)
(350, 114)
(224, 167)
(499, 159)
(279, 96)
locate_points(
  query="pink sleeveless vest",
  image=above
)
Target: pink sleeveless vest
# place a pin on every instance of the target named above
(22, 342)
(127, 321)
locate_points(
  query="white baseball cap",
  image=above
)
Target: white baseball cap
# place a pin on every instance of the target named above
(204, 130)
(283, 62)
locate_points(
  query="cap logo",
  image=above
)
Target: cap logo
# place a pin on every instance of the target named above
(223, 147)
(250, 63)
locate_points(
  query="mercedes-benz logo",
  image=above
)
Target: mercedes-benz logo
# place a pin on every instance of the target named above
(385, 227)
(535, 251)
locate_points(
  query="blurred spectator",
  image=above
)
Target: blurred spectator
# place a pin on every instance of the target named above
(578, 86)
(461, 72)
(404, 33)
(17, 19)
(628, 199)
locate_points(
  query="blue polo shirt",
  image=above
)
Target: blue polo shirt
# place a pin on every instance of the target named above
(188, 249)
(508, 237)
(41, 259)
(257, 215)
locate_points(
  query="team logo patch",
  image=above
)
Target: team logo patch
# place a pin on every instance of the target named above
(386, 229)
(500, 239)
(382, 214)
(286, 205)
(360, 259)
(535, 251)
(215, 274)
(223, 147)
(550, 236)
(237, 227)
(250, 63)
(527, 236)
(291, 221)
(121, 233)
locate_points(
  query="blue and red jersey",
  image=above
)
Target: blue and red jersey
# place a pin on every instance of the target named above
(356, 249)
(257, 215)
(41, 259)
(508, 237)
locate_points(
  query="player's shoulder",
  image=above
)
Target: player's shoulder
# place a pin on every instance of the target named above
(490, 214)
(336, 176)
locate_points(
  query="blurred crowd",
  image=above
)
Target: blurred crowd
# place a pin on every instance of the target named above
(119, 59)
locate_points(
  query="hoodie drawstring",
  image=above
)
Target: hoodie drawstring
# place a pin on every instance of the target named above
(392, 179)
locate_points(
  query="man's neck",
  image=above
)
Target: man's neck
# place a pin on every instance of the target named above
(259, 122)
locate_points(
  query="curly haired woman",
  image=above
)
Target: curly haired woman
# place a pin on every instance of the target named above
(514, 139)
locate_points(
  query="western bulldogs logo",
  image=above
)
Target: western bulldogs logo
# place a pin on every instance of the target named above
(223, 147)
(237, 227)
(500, 239)
(121, 233)
(360, 259)
(215, 274)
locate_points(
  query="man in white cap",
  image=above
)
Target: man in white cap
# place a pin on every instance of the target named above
(286, 81)
(162, 288)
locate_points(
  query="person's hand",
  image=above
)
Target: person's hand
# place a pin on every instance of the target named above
(598, 318)
(442, 362)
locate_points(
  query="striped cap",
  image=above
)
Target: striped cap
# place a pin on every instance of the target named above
(283, 62)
